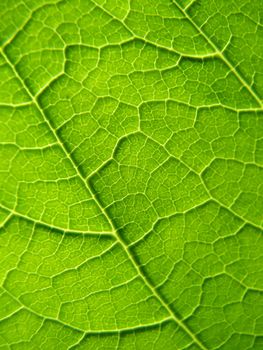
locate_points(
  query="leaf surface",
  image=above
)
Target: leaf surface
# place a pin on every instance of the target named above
(131, 187)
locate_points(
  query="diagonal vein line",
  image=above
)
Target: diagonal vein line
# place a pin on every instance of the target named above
(220, 54)
(13, 212)
(149, 41)
(58, 139)
(31, 13)
(114, 230)
(154, 291)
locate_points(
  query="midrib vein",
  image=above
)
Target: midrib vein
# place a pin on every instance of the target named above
(153, 290)
(220, 54)
(96, 200)
(53, 131)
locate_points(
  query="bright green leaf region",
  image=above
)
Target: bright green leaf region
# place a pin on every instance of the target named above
(131, 181)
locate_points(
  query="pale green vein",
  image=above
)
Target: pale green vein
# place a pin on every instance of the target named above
(86, 332)
(94, 196)
(54, 133)
(47, 225)
(223, 57)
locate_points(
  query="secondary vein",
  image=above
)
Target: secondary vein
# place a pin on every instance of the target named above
(220, 54)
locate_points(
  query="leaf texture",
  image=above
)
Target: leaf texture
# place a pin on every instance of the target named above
(131, 183)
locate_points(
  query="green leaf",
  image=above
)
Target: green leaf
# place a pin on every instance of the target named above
(131, 179)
